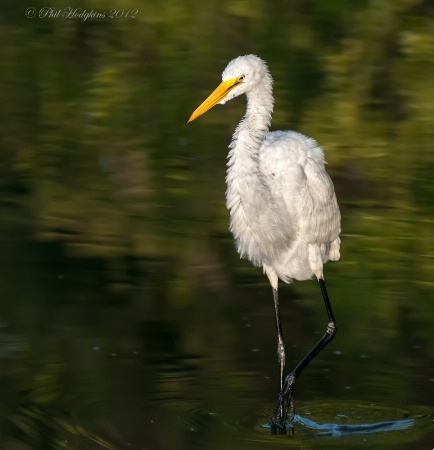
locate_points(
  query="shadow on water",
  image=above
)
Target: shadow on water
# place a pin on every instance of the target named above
(393, 427)
(337, 429)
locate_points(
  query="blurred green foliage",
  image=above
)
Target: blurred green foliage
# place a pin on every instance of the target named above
(93, 145)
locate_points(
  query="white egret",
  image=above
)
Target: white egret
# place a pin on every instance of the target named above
(283, 209)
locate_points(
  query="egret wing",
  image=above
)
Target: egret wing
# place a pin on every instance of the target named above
(293, 167)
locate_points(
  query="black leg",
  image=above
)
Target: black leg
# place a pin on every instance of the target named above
(285, 403)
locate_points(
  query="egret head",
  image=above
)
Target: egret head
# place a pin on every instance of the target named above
(241, 75)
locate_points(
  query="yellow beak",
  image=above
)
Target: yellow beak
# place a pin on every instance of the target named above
(217, 96)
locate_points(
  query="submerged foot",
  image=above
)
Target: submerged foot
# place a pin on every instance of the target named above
(283, 415)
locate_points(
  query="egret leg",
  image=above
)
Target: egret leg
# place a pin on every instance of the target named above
(280, 342)
(285, 403)
(280, 350)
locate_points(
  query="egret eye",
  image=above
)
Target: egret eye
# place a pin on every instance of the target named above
(241, 78)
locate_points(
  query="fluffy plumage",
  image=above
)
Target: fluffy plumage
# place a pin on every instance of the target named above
(283, 210)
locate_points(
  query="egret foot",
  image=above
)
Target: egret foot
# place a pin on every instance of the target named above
(285, 408)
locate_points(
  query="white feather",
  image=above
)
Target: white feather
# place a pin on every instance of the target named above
(283, 210)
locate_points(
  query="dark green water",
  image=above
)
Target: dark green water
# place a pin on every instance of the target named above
(127, 320)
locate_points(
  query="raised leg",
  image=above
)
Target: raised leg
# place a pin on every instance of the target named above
(285, 403)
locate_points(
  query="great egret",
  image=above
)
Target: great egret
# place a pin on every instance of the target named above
(283, 209)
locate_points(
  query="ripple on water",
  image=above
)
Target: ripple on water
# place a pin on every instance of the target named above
(337, 419)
